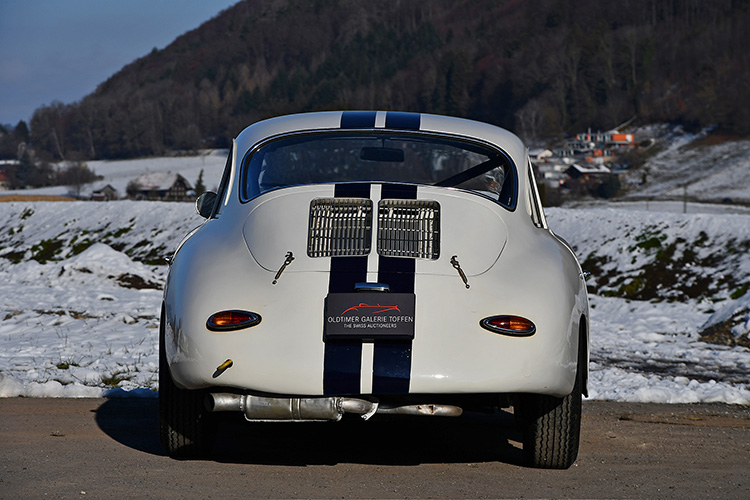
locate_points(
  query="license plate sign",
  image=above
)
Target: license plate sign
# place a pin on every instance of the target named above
(369, 316)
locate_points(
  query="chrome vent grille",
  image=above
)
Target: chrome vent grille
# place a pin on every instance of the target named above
(340, 227)
(409, 228)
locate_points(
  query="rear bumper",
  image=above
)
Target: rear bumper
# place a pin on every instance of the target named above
(450, 353)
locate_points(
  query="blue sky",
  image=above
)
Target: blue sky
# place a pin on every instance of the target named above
(60, 50)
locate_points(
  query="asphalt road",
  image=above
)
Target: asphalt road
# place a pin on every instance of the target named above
(109, 449)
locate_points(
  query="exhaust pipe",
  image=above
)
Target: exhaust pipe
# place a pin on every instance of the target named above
(294, 409)
(429, 410)
(257, 408)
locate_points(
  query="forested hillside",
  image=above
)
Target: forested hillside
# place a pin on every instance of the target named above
(542, 68)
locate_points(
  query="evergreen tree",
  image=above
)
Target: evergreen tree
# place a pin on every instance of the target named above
(21, 132)
(200, 188)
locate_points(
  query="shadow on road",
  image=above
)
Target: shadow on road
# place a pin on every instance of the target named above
(471, 438)
(132, 422)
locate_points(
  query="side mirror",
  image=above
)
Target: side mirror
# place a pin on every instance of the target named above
(204, 205)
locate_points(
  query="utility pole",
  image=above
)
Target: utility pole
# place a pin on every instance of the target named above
(684, 199)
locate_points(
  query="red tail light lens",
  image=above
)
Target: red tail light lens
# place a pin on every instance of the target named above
(509, 325)
(232, 320)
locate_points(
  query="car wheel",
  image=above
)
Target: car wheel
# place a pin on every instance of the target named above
(551, 427)
(186, 428)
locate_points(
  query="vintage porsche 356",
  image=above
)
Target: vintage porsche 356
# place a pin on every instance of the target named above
(370, 263)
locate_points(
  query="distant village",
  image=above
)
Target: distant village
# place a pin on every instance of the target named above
(161, 186)
(164, 186)
(587, 165)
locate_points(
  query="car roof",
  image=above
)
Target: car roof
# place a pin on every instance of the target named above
(382, 120)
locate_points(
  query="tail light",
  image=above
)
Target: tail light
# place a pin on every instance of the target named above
(509, 325)
(225, 321)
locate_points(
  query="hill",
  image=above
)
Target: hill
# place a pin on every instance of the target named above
(541, 68)
(701, 167)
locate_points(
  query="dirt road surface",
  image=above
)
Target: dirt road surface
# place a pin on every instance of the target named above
(109, 449)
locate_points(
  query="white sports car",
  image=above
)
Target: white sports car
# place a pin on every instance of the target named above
(370, 263)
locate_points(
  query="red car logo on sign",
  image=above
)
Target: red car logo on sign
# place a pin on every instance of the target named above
(381, 309)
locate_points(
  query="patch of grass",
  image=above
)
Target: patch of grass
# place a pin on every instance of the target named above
(721, 333)
(81, 246)
(141, 243)
(702, 239)
(674, 272)
(155, 256)
(133, 281)
(649, 244)
(11, 314)
(116, 234)
(738, 292)
(116, 378)
(45, 250)
(66, 364)
(649, 240)
(633, 288)
(595, 265)
(14, 257)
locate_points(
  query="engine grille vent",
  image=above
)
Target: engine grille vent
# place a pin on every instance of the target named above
(340, 227)
(409, 228)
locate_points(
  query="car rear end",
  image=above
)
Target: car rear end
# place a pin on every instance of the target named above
(340, 275)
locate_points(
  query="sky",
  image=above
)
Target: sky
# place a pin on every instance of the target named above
(61, 50)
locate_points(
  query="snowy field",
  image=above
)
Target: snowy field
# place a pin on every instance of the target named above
(80, 297)
(698, 166)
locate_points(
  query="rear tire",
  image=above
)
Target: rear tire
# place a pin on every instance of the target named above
(551, 427)
(186, 428)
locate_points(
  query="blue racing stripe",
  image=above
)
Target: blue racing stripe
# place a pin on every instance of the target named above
(342, 362)
(342, 367)
(392, 361)
(392, 367)
(358, 119)
(403, 121)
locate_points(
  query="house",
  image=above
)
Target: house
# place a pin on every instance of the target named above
(539, 155)
(4, 177)
(609, 138)
(586, 172)
(106, 193)
(591, 180)
(160, 186)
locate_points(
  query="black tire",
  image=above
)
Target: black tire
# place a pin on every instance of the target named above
(551, 427)
(186, 428)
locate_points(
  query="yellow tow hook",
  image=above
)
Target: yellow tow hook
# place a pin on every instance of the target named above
(223, 367)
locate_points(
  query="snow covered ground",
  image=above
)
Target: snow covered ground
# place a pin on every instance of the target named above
(79, 315)
(694, 165)
(80, 298)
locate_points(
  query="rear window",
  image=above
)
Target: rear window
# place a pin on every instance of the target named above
(379, 157)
